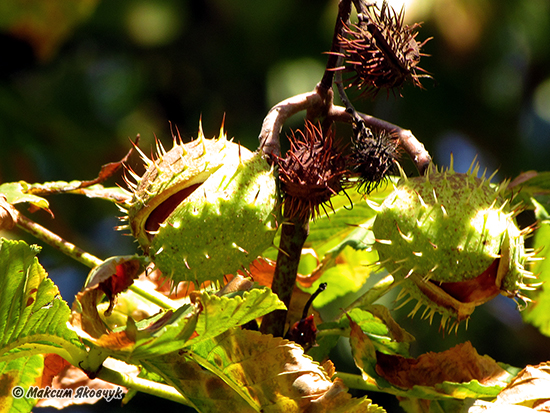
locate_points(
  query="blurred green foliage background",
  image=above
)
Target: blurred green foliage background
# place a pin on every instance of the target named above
(79, 79)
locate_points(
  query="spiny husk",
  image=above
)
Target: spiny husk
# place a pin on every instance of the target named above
(204, 209)
(374, 154)
(452, 241)
(312, 172)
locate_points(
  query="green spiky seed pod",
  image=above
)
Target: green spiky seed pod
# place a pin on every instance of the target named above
(204, 208)
(451, 239)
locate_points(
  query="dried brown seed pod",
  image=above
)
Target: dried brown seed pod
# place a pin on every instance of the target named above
(374, 153)
(381, 51)
(313, 170)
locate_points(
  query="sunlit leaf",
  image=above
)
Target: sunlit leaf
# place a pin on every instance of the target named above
(19, 375)
(384, 333)
(327, 230)
(394, 330)
(363, 351)
(538, 312)
(378, 332)
(158, 335)
(245, 371)
(222, 313)
(350, 210)
(16, 193)
(341, 241)
(336, 250)
(347, 276)
(33, 317)
(165, 337)
(167, 332)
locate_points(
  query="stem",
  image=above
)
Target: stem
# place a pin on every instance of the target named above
(277, 116)
(414, 148)
(378, 290)
(342, 93)
(57, 242)
(322, 287)
(293, 236)
(342, 332)
(320, 101)
(142, 385)
(344, 11)
(153, 296)
(83, 257)
(355, 381)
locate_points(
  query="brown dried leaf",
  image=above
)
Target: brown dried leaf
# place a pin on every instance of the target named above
(269, 373)
(71, 377)
(459, 364)
(329, 367)
(8, 214)
(337, 400)
(53, 365)
(116, 341)
(85, 317)
(110, 278)
(522, 178)
(114, 276)
(164, 286)
(109, 169)
(531, 387)
(261, 270)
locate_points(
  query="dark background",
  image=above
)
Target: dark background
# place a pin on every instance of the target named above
(79, 79)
